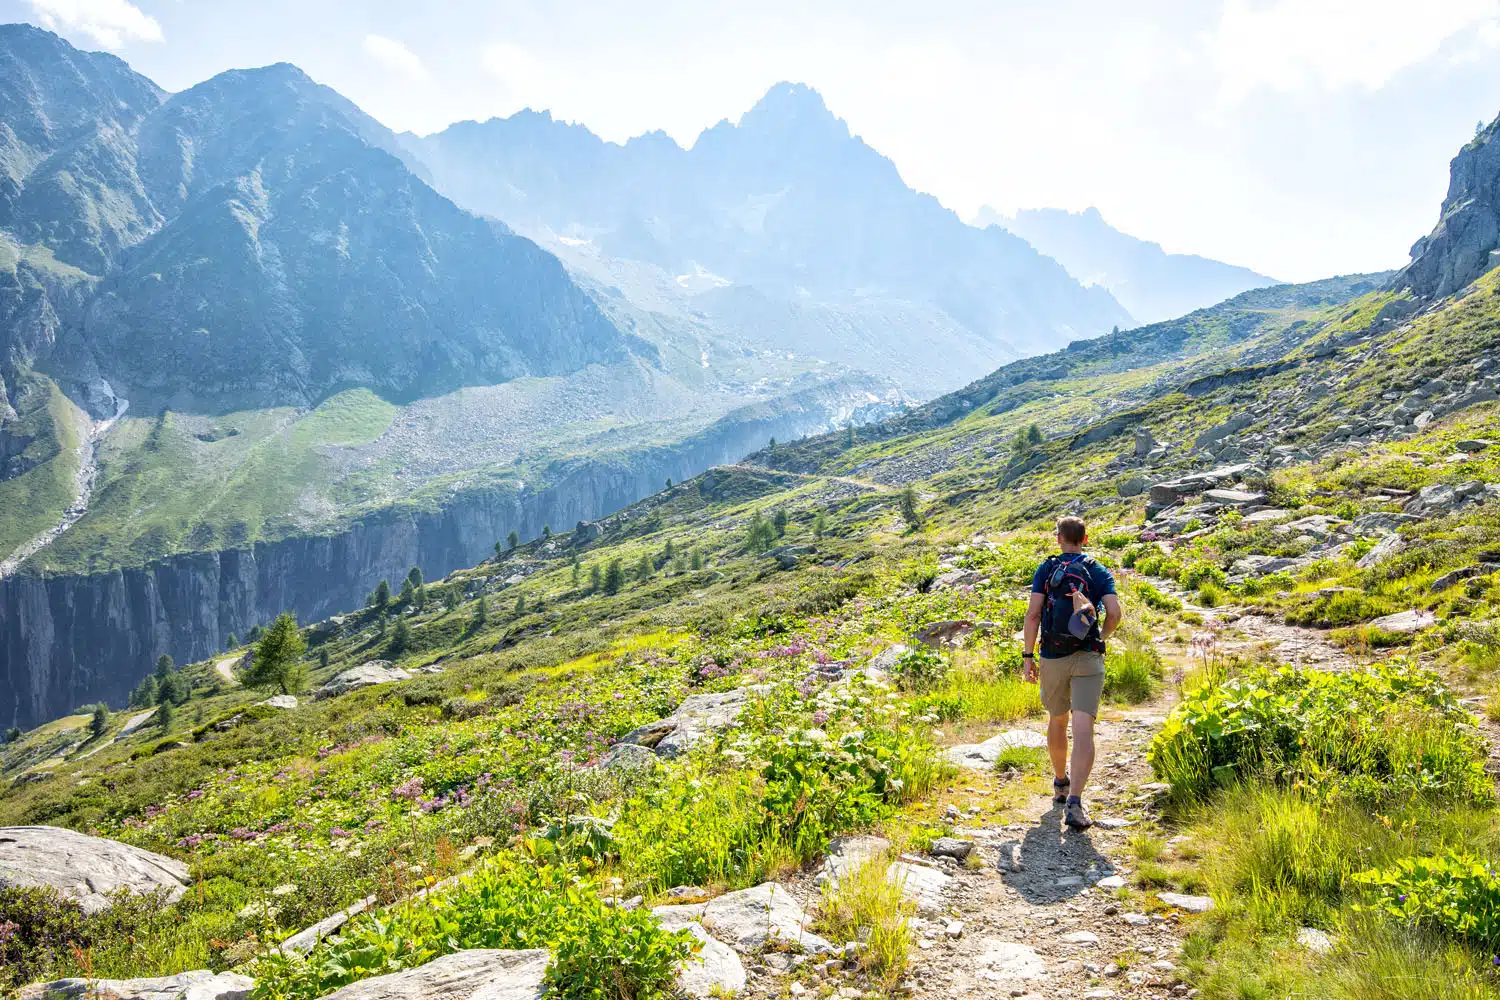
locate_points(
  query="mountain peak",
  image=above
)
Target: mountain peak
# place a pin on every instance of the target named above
(793, 105)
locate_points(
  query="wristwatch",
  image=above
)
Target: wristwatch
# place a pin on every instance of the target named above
(1028, 656)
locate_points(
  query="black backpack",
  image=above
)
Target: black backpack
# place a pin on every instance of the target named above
(1060, 578)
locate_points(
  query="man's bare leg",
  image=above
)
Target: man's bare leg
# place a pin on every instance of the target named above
(1057, 745)
(1083, 750)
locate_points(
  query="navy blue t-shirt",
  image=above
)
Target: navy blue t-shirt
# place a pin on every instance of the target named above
(1101, 582)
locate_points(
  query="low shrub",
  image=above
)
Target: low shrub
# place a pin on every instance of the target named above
(1210, 594)
(1452, 894)
(1342, 607)
(1155, 599)
(1388, 731)
(920, 669)
(600, 952)
(1200, 572)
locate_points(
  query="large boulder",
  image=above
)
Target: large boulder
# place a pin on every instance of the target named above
(199, 984)
(751, 920)
(1405, 621)
(982, 756)
(477, 974)
(86, 869)
(367, 674)
(698, 716)
(716, 971)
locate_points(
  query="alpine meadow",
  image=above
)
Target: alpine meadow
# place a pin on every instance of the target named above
(500, 562)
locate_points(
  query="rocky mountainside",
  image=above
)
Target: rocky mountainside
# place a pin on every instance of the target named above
(1152, 284)
(1464, 243)
(786, 203)
(253, 241)
(237, 319)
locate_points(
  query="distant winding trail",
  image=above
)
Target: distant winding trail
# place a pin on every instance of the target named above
(863, 484)
(84, 479)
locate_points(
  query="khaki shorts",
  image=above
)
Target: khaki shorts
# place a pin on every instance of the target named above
(1072, 683)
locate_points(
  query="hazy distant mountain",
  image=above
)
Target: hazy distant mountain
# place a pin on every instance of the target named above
(252, 241)
(790, 204)
(1153, 284)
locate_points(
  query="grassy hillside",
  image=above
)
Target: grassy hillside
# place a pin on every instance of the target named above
(45, 438)
(1346, 795)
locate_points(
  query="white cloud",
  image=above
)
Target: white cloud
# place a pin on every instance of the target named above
(1297, 45)
(111, 23)
(395, 57)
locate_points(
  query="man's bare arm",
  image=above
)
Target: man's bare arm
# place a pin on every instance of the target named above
(1029, 632)
(1112, 616)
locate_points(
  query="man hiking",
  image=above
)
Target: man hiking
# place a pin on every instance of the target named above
(1066, 593)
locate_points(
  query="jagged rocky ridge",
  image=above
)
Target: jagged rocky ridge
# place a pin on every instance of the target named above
(1463, 245)
(252, 241)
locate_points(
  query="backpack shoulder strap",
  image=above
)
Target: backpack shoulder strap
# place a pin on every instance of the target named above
(1048, 565)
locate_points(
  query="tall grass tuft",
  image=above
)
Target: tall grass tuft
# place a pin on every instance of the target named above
(868, 904)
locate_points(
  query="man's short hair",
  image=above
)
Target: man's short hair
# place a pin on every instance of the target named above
(1071, 529)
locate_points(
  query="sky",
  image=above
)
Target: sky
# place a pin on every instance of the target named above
(1302, 138)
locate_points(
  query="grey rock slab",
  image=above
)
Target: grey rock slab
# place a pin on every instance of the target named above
(675, 918)
(1262, 516)
(1079, 937)
(848, 854)
(628, 757)
(952, 847)
(83, 868)
(697, 717)
(885, 660)
(982, 756)
(1234, 498)
(1405, 621)
(751, 919)
(475, 974)
(927, 887)
(307, 939)
(1010, 962)
(1314, 940)
(1192, 904)
(714, 972)
(367, 674)
(1388, 546)
(199, 984)
(282, 701)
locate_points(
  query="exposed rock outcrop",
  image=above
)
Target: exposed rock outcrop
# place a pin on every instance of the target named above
(83, 868)
(476, 974)
(199, 984)
(1462, 245)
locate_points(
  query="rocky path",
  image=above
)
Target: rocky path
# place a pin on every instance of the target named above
(1040, 917)
(84, 479)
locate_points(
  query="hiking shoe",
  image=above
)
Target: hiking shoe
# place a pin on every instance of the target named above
(1060, 789)
(1075, 816)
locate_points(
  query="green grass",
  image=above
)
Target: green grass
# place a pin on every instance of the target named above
(868, 905)
(177, 483)
(35, 500)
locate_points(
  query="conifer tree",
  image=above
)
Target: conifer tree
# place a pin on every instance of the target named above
(909, 512)
(276, 661)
